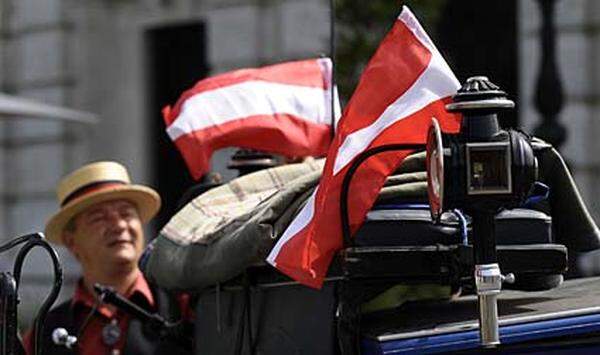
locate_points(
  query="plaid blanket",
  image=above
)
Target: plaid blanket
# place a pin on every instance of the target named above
(223, 231)
(198, 221)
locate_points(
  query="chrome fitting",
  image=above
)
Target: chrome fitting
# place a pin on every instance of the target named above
(488, 279)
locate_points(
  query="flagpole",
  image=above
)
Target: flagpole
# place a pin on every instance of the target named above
(332, 56)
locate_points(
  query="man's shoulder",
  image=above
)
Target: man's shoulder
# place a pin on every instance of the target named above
(62, 307)
(60, 315)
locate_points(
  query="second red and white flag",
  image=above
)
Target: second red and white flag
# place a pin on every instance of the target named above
(404, 85)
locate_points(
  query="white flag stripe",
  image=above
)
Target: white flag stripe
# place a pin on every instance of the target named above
(432, 85)
(250, 98)
(302, 219)
(415, 27)
(326, 66)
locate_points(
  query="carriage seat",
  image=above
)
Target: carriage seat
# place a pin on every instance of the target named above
(403, 245)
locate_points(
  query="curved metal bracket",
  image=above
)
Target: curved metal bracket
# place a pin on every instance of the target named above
(348, 179)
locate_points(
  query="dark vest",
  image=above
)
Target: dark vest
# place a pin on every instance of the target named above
(139, 339)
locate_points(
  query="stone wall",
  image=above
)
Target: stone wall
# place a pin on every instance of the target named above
(90, 55)
(36, 152)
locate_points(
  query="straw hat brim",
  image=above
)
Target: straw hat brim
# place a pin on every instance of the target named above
(146, 199)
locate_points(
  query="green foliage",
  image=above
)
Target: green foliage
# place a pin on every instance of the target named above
(360, 27)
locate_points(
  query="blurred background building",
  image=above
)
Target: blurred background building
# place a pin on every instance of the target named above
(125, 59)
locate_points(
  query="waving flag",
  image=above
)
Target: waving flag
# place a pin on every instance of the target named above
(283, 109)
(405, 84)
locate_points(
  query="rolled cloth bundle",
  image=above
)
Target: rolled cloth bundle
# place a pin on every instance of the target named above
(220, 233)
(223, 231)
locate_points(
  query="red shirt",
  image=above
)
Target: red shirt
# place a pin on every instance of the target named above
(92, 341)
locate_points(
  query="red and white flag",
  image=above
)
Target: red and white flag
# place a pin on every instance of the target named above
(283, 109)
(404, 85)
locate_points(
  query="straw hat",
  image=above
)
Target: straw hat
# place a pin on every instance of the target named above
(98, 182)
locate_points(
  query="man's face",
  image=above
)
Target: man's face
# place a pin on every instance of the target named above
(106, 235)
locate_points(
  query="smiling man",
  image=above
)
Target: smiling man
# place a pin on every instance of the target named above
(100, 221)
(107, 239)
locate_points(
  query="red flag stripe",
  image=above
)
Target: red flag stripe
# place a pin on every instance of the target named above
(315, 73)
(217, 107)
(393, 69)
(279, 133)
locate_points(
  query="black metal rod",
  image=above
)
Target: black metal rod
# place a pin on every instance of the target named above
(484, 237)
(332, 57)
(19, 240)
(345, 219)
(175, 331)
(52, 296)
(110, 296)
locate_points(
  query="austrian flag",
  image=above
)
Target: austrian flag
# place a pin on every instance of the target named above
(404, 85)
(283, 109)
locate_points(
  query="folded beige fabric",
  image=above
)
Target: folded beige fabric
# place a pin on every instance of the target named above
(198, 220)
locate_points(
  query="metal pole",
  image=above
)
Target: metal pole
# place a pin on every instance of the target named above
(332, 57)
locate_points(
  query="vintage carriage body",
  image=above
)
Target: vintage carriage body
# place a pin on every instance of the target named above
(404, 284)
